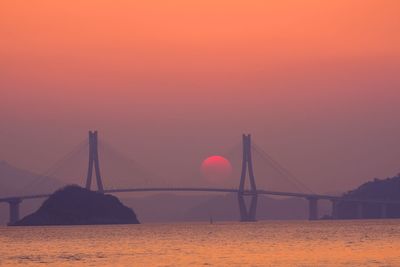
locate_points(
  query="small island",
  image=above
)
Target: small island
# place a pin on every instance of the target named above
(74, 205)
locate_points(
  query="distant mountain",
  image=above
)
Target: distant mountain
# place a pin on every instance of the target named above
(225, 208)
(381, 189)
(15, 181)
(164, 207)
(175, 207)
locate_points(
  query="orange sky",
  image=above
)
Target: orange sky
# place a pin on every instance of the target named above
(316, 82)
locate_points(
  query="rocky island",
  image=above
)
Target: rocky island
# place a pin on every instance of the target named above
(74, 205)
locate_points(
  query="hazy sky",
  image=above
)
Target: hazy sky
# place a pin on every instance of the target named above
(317, 83)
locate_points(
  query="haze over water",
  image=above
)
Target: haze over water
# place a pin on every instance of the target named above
(272, 243)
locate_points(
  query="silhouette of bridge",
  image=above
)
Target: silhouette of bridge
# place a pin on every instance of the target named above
(249, 192)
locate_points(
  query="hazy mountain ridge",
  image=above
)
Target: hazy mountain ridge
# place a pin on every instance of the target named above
(224, 207)
(16, 181)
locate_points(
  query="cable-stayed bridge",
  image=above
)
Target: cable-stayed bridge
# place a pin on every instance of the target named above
(247, 190)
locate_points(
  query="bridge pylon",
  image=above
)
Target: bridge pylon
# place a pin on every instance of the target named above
(94, 162)
(247, 214)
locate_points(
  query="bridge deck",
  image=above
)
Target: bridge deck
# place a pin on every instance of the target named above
(218, 190)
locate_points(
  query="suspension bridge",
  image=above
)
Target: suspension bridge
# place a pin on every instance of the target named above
(247, 191)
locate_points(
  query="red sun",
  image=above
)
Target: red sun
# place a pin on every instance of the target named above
(216, 168)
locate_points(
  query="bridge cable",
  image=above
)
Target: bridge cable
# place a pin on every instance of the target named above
(133, 164)
(43, 176)
(282, 170)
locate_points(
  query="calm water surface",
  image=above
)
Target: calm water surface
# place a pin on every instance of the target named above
(295, 243)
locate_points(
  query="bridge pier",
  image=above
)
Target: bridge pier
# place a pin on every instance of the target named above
(250, 214)
(383, 211)
(334, 214)
(14, 210)
(360, 210)
(312, 208)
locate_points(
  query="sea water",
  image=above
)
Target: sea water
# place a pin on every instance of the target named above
(265, 243)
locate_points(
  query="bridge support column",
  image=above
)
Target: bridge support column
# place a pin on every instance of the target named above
(312, 208)
(335, 214)
(247, 215)
(94, 162)
(14, 210)
(360, 210)
(383, 211)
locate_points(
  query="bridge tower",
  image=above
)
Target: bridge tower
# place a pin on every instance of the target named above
(94, 162)
(247, 214)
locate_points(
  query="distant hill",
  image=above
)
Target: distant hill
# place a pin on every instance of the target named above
(386, 189)
(225, 208)
(222, 207)
(163, 207)
(74, 205)
(17, 181)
